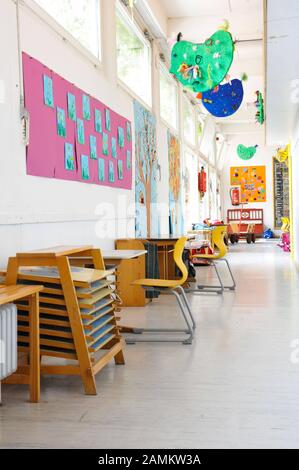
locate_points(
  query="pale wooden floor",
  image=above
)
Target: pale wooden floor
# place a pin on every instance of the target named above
(235, 387)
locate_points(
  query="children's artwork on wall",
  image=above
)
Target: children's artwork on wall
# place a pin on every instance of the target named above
(201, 67)
(101, 169)
(61, 122)
(98, 121)
(111, 172)
(146, 190)
(60, 114)
(120, 169)
(225, 100)
(175, 186)
(121, 137)
(69, 157)
(80, 131)
(86, 107)
(85, 167)
(71, 104)
(246, 153)
(107, 120)
(113, 147)
(93, 147)
(129, 131)
(105, 148)
(129, 159)
(48, 91)
(252, 180)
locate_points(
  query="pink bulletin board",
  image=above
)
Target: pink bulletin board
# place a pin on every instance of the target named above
(46, 152)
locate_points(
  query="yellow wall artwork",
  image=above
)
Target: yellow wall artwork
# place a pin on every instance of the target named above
(252, 180)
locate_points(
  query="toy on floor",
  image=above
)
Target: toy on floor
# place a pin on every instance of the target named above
(285, 239)
(236, 234)
(202, 67)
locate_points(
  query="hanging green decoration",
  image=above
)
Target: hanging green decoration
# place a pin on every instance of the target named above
(201, 67)
(246, 153)
(260, 115)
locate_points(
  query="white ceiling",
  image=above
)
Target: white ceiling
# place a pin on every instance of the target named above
(282, 70)
(199, 19)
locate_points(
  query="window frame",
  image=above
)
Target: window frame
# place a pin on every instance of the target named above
(65, 35)
(193, 144)
(163, 70)
(121, 9)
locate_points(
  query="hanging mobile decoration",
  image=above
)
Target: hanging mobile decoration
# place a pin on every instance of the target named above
(246, 153)
(283, 155)
(201, 67)
(224, 100)
(260, 115)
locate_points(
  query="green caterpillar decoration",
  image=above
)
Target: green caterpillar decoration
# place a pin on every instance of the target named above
(202, 67)
(246, 153)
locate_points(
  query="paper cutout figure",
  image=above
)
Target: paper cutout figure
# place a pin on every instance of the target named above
(71, 104)
(121, 137)
(61, 122)
(105, 149)
(224, 101)
(101, 168)
(201, 67)
(86, 107)
(108, 120)
(113, 147)
(120, 169)
(128, 160)
(80, 132)
(98, 121)
(111, 172)
(85, 167)
(246, 153)
(93, 147)
(129, 131)
(69, 157)
(48, 91)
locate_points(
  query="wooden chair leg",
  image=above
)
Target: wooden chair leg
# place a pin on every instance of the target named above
(34, 383)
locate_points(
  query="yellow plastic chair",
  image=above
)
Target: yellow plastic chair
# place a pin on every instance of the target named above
(219, 233)
(165, 286)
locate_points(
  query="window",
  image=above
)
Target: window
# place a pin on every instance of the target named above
(80, 18)
(168, 98)
(192, 215)
(189, 122)
(133, 56)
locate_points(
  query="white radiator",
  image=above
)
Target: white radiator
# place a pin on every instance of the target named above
(8, 341)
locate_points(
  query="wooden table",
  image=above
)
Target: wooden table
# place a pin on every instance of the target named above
(29, 374)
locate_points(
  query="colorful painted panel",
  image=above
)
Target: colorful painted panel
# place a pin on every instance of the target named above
(175, 186)
(67, 141)
(224, 101)
(252, 180)
(146, 192)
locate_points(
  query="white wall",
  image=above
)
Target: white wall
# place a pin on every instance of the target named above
(263, 157)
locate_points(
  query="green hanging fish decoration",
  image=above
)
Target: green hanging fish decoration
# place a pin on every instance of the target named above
(246, 153)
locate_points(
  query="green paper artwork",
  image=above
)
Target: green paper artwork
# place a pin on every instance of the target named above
(101, 168)
(111, 172)
(201, 67)
(105, 149)
(113, 147)
(93, 147)
(86, 107)
(98, 121)
(80, 132)
(260, 114)
(107, 119)
(246, 153)
(120, 170)
(129, 131)
(121, 137)
(85, 167)
(48, 91)
(128, 160)
(61, 122)
(69, 157)
(71, 104)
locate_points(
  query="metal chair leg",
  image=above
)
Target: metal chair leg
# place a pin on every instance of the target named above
(188, 331)
(206, 288)
(233, 287)
(181, 289)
